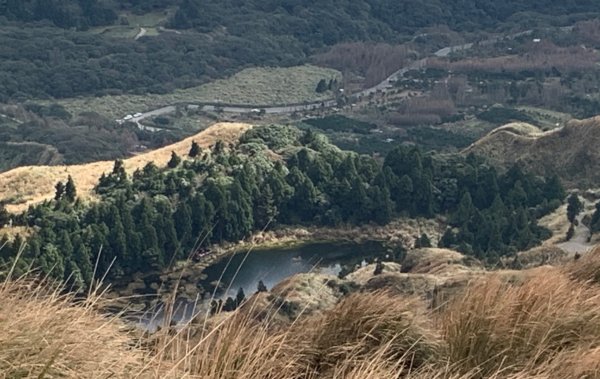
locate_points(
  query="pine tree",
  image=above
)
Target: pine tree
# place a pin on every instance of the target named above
(554, 189)
(574, 207)
(219, 147)
(261, 287)
(570, 232)
(195, 150)
(174, 161)
(404, 193)
(265, 209)
(240, 297)
(229, 305)
(173, 247)
(70, 190)
(4, 216)
(82, 258)
(60, 191)
(423, 241)
(381, 204)
(116, 239)
(464, 212)
(378, 268)
(183, 223)
(118, 173)
(321, 86)
(595, 222)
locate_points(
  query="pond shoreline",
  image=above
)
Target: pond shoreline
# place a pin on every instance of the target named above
(182, 280)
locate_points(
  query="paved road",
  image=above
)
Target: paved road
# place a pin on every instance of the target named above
(386, 85)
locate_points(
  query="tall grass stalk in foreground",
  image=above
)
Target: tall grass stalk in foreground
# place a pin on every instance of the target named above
(45, 334)
(546, 325)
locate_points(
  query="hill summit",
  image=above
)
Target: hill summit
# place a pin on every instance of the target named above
(570, 152)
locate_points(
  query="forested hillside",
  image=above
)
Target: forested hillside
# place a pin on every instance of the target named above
(219, 38)
(309, 20)
(277, 176)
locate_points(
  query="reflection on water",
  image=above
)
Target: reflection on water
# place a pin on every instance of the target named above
(245, 270)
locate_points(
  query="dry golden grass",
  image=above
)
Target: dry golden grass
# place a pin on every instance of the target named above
(363, 324)
(496, 326)
(544, 325)
(587, 268)
(570, 152)
(24, 186)
(44, 334)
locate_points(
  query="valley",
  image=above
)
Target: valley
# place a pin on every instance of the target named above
(279, 189)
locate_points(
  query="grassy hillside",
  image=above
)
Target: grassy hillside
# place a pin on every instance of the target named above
(570, 152)
(28, 185)
(539, 323)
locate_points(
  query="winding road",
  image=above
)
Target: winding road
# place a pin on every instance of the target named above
(384, 86)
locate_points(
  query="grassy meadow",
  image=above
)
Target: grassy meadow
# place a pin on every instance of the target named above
(252, 86)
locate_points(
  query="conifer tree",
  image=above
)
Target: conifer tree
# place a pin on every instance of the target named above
(321, 86)
(82, 258)
(261, 287)
(60, 191)
(174, 161)
(240, 297)
(173, 247)
(378, 268)
(118, 173)
(423, 241)
(70, 190)
(4, 216)
(464, 211)
(183, 223)
(195, 150)
(574, 207)
(229, 305)
(570, 232)
(595, 222)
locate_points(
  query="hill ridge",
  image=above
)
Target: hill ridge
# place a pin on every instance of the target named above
(27, 185)
(570, 151)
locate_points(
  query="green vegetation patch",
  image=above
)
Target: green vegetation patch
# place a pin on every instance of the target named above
(339, 123)
(502, 115)
(252, 86)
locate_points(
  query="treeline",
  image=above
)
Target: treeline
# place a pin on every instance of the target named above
(39, 61)
(80, 14)
(44, 62)
(327, 22)
(156, 216)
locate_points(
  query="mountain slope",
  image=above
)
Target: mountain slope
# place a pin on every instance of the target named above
(571, 152)
(15, 154)
(24, 186)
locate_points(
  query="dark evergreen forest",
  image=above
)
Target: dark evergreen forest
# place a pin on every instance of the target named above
(276, 176)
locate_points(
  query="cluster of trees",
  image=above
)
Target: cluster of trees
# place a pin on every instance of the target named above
(351, 20)
(81, 14)
(146, 221)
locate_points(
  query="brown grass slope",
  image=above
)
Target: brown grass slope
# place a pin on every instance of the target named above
(571, 152)
(24, 186)
(546, 325)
